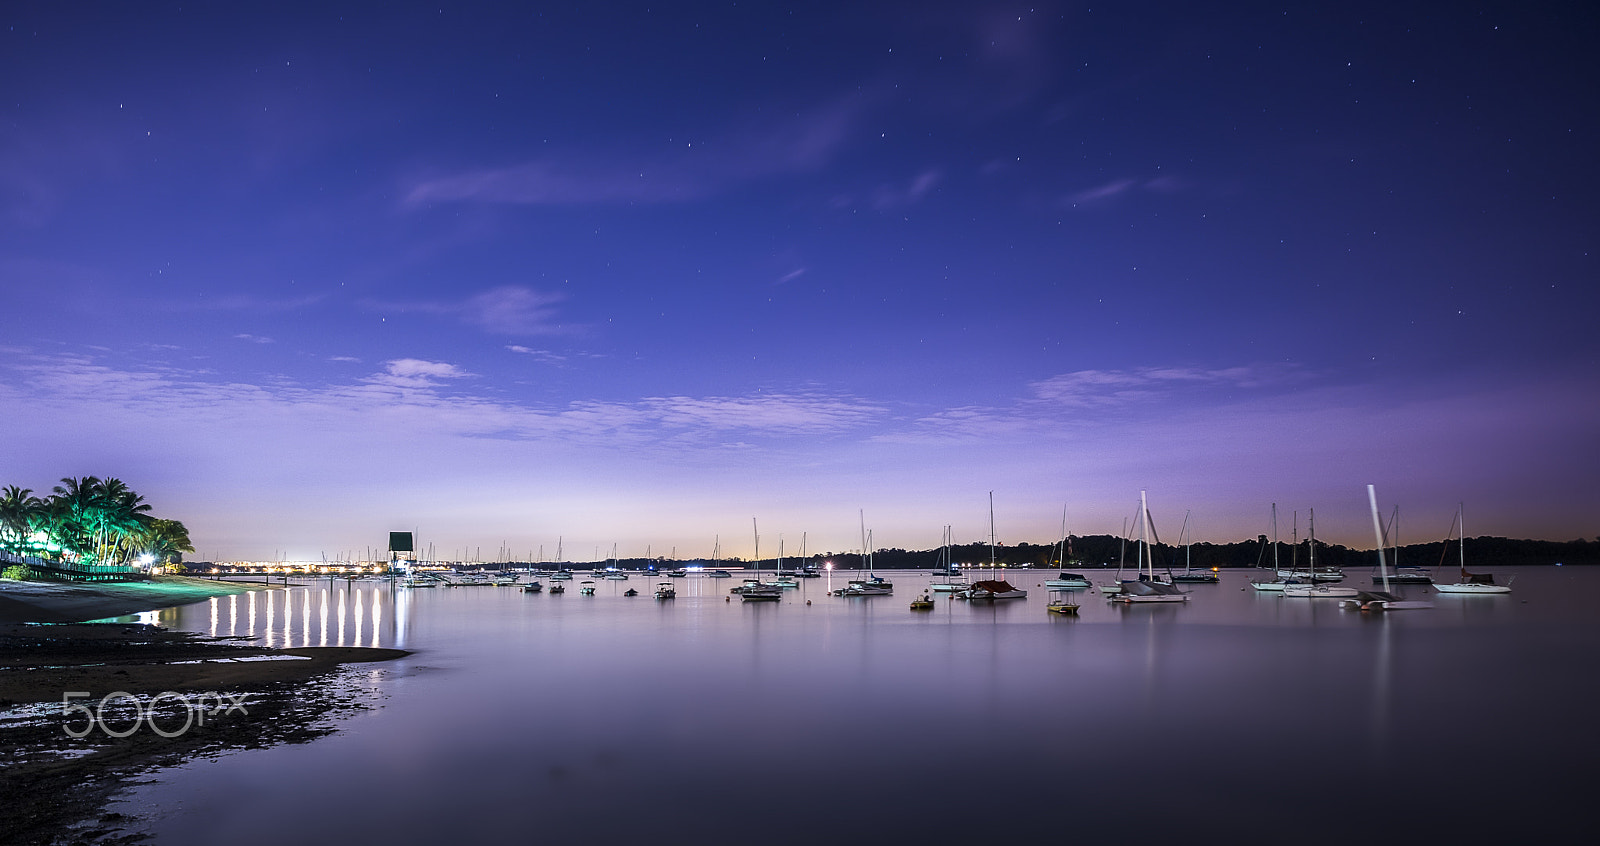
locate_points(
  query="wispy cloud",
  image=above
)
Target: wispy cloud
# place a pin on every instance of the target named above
(512, 311)
(541, 355)
(507, 310)
(254, 339)
(1100, 388)
(889, 196)
(773, 413)
(1110, 190)
(685, 170)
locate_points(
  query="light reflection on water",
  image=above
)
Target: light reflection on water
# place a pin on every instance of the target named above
(612, 719)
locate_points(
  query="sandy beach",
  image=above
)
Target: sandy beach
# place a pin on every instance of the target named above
(61, 602)
(55, 786)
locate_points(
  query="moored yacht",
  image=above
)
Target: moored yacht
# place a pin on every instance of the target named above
(1147, 588)
(989, 590)
(1471, 583)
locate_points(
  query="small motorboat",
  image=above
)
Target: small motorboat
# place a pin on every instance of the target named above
(665, 590)
(923, 603)
(1061, 602)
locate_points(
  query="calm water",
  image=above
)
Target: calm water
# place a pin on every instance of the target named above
(1237, 717)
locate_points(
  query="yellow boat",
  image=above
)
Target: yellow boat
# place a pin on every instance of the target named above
(923, 604)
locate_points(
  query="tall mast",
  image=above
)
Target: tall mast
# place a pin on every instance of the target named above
(862, 513)
(991, 534)
(1377, 531)
(758, 543)
(1144, 516)
(1311, 544)
(1275, 537)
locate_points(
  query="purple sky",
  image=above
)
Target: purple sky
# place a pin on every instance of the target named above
(632, 275)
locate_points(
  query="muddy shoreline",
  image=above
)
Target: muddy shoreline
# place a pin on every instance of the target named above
(213, 695)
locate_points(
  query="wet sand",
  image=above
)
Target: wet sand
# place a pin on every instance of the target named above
(61, 602)
(55, 786)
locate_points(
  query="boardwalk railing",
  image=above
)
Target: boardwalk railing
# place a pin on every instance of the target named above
(69, 571)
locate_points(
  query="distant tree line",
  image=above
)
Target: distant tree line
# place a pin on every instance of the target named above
(1108, 550)
(88, 520)
(1096, 550)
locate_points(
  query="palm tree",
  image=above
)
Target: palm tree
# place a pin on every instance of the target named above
(20, 515)
(74, 513)
(164, 540)
(123, 514)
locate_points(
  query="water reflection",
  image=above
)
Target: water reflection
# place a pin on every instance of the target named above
(1216, 703)
(300, 615)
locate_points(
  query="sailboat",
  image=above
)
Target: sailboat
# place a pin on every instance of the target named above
(1189, 576)
(953, 580)
(1402, 575)
(562, 574)
(1146, 588)
(716, 557)
(1480, 583)
(1374, 600)
(873, 584)
(1277, 584)
(780, 580)
(1115, 586)
(1065, 581)
(753, 590)
(989, 590)
(1317, 590)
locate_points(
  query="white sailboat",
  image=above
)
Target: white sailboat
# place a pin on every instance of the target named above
(1277, 584)
(1064, 580)
(989, 590)
(780, 580)
(1189, 576)
(873, 584)
(1146, 588)
(1114, 587)
(953, 581)
(753, 590)
(1317, 589)
(1471, 583)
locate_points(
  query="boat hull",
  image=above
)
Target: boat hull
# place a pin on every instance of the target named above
(1320, 592)
(1470, 588)
(1276, 587)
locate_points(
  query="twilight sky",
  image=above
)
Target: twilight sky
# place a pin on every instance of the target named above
(634, 273)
